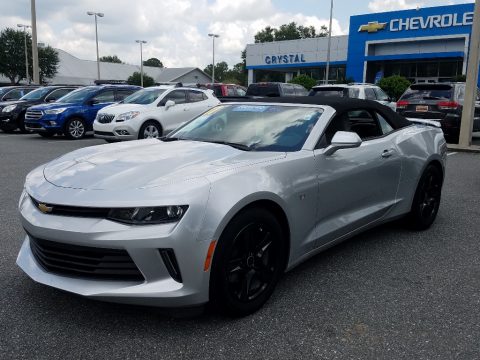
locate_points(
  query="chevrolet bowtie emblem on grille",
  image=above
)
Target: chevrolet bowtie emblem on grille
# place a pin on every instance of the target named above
(45, 208)
(372, 27)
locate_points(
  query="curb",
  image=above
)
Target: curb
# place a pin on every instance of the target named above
(468, 149)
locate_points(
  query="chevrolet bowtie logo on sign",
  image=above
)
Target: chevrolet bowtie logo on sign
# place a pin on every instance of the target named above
(372, 27)
(45, 208)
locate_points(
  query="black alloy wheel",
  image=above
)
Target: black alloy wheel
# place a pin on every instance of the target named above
(427, 199)
(248, 262)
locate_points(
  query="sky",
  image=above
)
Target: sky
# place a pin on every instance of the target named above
(176, 30)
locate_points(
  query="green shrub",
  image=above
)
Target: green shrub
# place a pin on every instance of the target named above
(394, 85)
(306, 81)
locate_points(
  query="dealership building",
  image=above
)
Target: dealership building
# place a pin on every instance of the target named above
(424, 45)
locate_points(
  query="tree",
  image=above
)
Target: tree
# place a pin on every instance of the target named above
(394, 85)
(221, 70)
(111, 59)
(135, 79)
(12, 57)
(47, 62)
(306, 81)
(153, 62)
(290, 31)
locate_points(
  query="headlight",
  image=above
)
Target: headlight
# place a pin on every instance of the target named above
(9, 108)
(148, 215)
(128, 115)
(55, 111)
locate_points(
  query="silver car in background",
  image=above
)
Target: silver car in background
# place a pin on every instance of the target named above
(220, 208)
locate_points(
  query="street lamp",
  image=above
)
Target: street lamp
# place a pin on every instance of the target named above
(25, 27)
(327, 70)
(141, 42)
(96, 38)
(213, 36)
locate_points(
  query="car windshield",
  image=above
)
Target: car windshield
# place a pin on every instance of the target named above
(79, 95)
(269, 90)
(36, 94)
(143, 97)
(252, 127)
(428, 92)
(329, 92)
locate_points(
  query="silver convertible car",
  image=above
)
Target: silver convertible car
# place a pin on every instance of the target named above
(219, 209)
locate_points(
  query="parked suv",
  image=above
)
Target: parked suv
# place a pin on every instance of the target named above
(12, 113)
(275, 89)
(357, 91)
(152, 112)
(442, 102)
(73, 114)
(221, 90)
(8, 93)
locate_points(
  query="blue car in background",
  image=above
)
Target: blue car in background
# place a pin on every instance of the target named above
(73, 114)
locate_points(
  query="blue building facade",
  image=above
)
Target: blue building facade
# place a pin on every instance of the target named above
(425, 45)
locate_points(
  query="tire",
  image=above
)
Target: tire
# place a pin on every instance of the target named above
(426, 201)
(150, 129)
(46, 134)
(21, 124)
(75, 128)
(248, 262)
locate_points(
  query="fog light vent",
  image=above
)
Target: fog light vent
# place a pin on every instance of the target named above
(123, 132)
(168, 257)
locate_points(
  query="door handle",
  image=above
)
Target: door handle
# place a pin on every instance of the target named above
(387, 153)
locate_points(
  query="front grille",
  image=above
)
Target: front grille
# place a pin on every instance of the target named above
(33, 115)
(103, 133)
(105, 118)
(65, 210)
(84, 261)
(33, 125)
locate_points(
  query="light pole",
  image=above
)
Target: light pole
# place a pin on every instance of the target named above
(327, 70)
(141, 42)
(213, 36)
(36, 71)
(25, 27)
(468, 111)
(96, 38)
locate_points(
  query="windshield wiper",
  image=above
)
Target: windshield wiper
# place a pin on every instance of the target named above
(232, 144)
(169, 139)
(432, 98)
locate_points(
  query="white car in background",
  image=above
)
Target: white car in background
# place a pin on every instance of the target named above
(152, 112)
(355, 91)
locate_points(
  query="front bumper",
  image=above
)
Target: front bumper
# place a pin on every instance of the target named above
(8, 121)
(115, 131)
(142, 243)
(47, 123)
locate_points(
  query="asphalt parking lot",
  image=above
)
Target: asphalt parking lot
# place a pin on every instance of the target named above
(387, 294)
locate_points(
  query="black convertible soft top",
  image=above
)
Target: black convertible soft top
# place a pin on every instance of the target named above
(341, 105)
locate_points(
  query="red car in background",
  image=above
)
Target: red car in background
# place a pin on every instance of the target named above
(223, 90)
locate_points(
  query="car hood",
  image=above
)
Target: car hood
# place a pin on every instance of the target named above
(147, 163)
(12, 102)
(117, 109)
(55, 105)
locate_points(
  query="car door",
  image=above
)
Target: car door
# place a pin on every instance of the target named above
(198, 103)
(97, 102)
(172, 117)
(356, 186)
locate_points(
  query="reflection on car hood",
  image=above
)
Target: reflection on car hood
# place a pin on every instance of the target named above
(116, 109)
(54, 105)
(146, 163)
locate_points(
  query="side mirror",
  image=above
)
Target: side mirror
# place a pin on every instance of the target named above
(169, 104)
(49, 100)
(343, 140)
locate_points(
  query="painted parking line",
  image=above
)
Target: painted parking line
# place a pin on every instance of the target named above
(451, 153)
